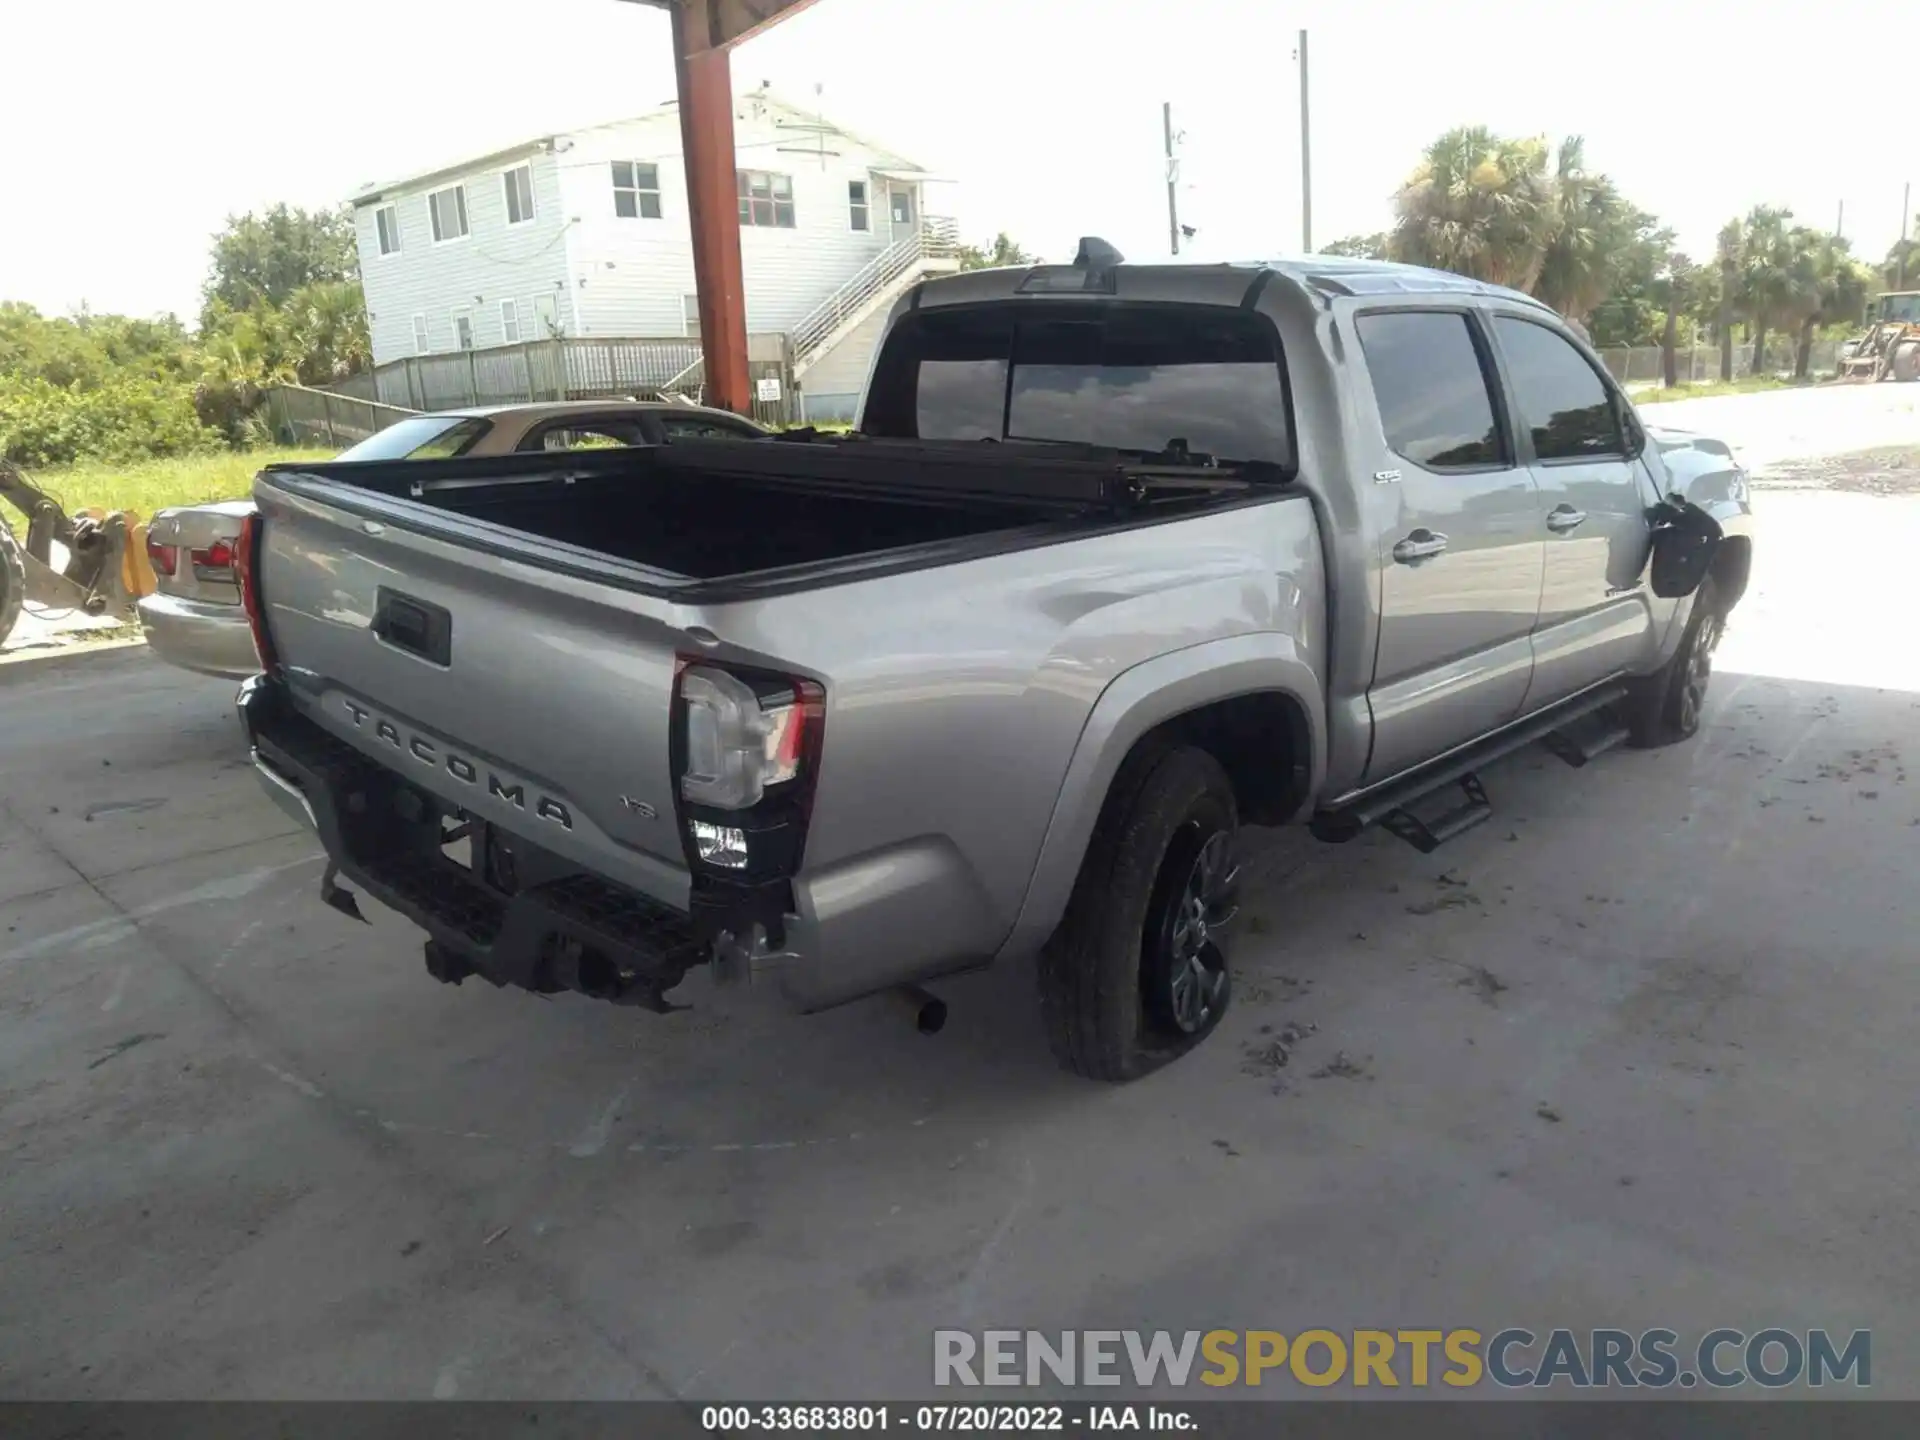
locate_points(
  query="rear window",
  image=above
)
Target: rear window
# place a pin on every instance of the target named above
(1127, 377)
(421, 437)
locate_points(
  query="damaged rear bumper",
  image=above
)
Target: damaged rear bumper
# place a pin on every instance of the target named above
(571, 931)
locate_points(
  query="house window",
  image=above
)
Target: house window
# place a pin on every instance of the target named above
(448, 210)
(420, 334)
(690, 313)
(510, 321)
(386, 220)
(636, 190)
(766, 200)
(462, 330)
(519, 187)
(902, 207)
(858, 217)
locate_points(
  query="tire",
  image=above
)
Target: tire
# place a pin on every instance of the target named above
(1906, 361)
(1664, 708)
(13, 581)
(1136, 974)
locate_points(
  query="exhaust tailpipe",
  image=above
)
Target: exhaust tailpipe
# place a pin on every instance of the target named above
(929, 1010)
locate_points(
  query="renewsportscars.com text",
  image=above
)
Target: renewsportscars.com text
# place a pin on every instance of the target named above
(1459, 1358)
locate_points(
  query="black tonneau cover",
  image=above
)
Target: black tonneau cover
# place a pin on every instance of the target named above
(1066, 477)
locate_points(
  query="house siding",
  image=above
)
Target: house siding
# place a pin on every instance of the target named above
(495, 262)
(630, 275)
(611, 276)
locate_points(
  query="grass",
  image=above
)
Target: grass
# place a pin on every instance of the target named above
(145, 486)
(1752, 385)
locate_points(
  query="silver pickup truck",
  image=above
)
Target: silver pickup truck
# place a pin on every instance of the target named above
(1119, 558)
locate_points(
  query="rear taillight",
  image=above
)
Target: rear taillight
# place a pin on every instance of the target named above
(213, 563)
(164, 558)
(746, 749)
(246, 567)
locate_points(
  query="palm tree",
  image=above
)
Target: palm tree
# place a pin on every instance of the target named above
(1681, 287)
(1593, 228)
(1478, 205)
(1766, 278)
(1829, 288)
(1726, 250)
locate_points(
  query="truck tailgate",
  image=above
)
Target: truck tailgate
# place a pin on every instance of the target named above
(461, 670)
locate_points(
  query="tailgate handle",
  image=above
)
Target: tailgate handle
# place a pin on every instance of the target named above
(413, 626)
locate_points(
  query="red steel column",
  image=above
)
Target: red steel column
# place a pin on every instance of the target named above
(713, 206)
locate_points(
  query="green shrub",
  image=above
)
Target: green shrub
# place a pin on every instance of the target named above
(127, 417)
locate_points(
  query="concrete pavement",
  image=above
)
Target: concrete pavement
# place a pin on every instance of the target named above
(1636, 1053)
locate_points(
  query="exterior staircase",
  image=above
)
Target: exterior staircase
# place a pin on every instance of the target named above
(931, 250)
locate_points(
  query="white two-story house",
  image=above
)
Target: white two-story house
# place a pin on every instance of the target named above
(585, 234)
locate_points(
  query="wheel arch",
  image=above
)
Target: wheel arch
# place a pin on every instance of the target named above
(1224, 696)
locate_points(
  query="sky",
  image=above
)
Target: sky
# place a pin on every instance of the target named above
(136, 128)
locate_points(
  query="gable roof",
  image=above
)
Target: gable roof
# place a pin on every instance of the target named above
(785, 113)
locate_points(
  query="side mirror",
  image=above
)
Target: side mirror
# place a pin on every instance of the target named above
(1685, 539)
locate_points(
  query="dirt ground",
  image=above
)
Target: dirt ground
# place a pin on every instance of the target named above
(1639, 1052)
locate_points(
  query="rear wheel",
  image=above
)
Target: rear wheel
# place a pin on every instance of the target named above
(13, 581)
(1906, 361)
(1136, 975)
(1665, 707)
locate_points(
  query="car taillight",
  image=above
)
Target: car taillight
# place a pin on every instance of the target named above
(746, 749)
(246, 567)
(213, 563)
(163, 558)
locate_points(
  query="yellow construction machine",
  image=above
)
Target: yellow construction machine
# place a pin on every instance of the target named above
(1890, 348)
(105, 568)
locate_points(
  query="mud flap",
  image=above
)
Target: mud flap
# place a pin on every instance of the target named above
(1685, 540)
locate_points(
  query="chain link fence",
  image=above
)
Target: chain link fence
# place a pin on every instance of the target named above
(1700, 364)
(300, 416)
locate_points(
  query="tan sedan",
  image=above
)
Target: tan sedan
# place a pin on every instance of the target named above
(193, 619)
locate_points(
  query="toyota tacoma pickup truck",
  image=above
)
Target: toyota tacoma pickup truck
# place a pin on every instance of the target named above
(1119, 558)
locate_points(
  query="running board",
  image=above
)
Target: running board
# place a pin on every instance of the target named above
(1392, 804)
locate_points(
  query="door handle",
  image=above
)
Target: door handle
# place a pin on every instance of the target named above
(1420, 545)
(1564, 518)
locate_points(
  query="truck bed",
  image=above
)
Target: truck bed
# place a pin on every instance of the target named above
(704, 511)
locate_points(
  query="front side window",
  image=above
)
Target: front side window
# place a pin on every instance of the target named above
(518, 183)
(386, 222)
(766, 200)
(1122, 377)
(1560, 396)
(448, 210)
(859, 215)
(636, 190)
(1431, 387)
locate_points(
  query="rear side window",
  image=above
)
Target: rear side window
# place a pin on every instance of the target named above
(1431, 387)
(1117, 376)
(421, 437)
(1560, 396)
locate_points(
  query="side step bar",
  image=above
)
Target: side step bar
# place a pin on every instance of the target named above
(1391, 805)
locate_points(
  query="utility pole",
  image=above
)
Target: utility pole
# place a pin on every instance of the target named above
(1306, 157)
(1840, 225)
(1173, 177)
(1906, 198)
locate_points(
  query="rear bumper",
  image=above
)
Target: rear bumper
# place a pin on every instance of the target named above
(198, 635)
(384, 837)
(893, 917)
